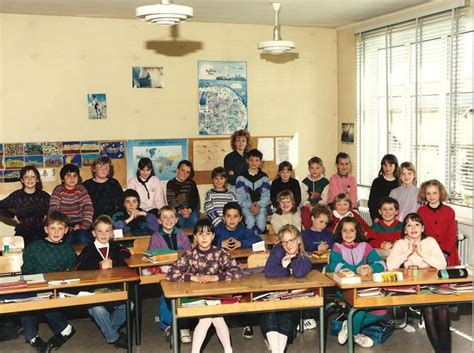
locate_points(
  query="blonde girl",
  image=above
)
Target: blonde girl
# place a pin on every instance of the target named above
(407, 193)
(286, 213)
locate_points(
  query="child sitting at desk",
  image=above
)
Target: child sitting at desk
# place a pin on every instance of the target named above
(287, 258)
(286, 213)
(319, 237)
(102, 255)
(206, 263)
(42, 256)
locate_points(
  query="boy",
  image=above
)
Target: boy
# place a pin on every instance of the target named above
(342, 182)
(218, 196)
(171, 237)
(253, 192)
(72, 199)
(132, 219)
(42, 256)
(387, 230)
(319, 238)
(102, 255)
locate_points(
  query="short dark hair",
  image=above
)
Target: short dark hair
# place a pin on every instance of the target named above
(319, 210)
(143, 163)
(389, 200)
(359, 231)
(56, 216)
(218, 171)
(414, 217)
(285, 164)
(255, 153)
(70, 168)
(202, 225)
(103, 218)
(342, 155)
(27, 168)
(232, 206)
(187, 164)
(131, 193)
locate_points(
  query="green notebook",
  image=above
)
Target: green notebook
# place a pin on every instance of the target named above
(161, 251)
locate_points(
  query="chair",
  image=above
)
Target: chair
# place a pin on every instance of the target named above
(257, 260)
(11, 263)
(140, 245)
(16, 242)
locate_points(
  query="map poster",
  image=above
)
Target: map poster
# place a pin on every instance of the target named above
(164, 154)
(208, 154)
(222, 97)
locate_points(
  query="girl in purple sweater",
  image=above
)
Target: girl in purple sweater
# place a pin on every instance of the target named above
(288, 258)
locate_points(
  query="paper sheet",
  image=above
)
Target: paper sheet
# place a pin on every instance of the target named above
(266, 145)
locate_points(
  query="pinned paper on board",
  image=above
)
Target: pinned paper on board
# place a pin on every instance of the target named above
(266, 145)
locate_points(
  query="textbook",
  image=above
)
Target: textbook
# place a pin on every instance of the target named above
(346, 276)
(370, 292)
(160, 255)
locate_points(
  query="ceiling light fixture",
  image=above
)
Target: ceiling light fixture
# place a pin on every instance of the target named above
(165, 13)
(276, 46)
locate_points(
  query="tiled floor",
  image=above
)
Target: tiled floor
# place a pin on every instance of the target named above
(89, 339)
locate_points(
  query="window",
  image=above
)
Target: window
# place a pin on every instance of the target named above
(415, 100)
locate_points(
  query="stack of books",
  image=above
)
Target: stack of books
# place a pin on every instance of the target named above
(160, 255)
(370, 292)
(346, 276)
(461, 287)
(284, 295)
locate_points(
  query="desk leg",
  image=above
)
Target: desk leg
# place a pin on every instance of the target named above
(138, 312)
(322, 333)
(129, 321)
(350, 336)
(174, 327)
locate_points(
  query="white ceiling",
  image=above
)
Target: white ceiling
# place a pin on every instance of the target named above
(320, 13)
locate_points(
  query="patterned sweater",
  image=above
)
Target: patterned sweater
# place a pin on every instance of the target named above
(194, 262)
(253, 188)
(182, 194)
(41, 256)
(75, 204)
(351, 256)
(214, 204)
(314, 191)
(107, 197)
(382, 231)
(278, 185)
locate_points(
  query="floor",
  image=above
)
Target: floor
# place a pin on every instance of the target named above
(89, 339)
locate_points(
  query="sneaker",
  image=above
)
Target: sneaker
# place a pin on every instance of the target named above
(185, 336)
(167, 333)
(58, 340)
(342, 335)
(121, 341)
(308, 324)
(363, 340)
(248, 332)
(38, 344)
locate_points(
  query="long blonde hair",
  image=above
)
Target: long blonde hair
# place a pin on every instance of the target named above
(292, 230)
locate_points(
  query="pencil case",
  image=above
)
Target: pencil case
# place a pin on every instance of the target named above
(453, 273)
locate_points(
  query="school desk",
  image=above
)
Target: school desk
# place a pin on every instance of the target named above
(121, 277)
(420, 298)
(248, 286)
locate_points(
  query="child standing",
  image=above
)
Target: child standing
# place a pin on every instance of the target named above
(253, 192)
(103, 254)
(42, 256)
(287, 258)
(315, 188)
(386, 231)
(407, 193)
(386, 181)
(342, 207)
(351, 252)
(286, 213)
(217, 197)
(343, 182)
(318, 237)
(183, 195)
(417, 249)
(72, 199)
(285, 181)
(132, 219)
(235, 163)
(148, 187)
(439, 219)
(206, 263)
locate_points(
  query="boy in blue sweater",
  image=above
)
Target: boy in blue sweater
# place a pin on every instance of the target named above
(319, 237)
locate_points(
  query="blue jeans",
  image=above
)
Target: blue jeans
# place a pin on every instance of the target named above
(109, 323)
(256, 223)
(79, 236)
(56, 320)
(164, 312)
(189, 222)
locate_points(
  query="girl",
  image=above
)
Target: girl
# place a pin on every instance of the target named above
(28, 206)
(417, 249)
(286, 213)
(206, 263)
(284, 181)
(342, 206)
(439, 219)
(148, 187)
(407, 193)
(386, 181)
(235, 163)
(217, 197)
(287, 258)
(343, 181)
(105, 192)
(183, 195)
(351, 252)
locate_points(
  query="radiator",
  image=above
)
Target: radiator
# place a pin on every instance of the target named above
(365, 214)
(465, 249)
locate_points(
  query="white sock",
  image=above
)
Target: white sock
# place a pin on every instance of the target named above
(277, 341)
(67, 331)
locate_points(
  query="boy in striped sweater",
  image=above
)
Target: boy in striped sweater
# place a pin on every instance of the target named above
(217, 197)
(387, 230)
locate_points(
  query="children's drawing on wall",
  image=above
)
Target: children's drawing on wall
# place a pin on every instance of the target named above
(147, 77)
(347, 135)
(113, 149)
(222, 97)
(36, 161)
(47, 174)
(97, 106)
(11, 176)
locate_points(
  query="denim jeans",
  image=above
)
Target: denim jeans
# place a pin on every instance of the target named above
(56, 320)
(109, 323)
(257, 223)
(164, 312)
(189, 222)
(79, 236)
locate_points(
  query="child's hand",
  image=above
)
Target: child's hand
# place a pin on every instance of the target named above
(386, 245)
(364, 270)
(16, 220)
(376, 220)
(228, 244)
(323, 246)
(106, 264)
(288, 257)
(76, 227)
(204, 278)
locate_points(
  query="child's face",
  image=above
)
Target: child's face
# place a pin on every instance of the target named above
(285, 174)
(55, 231)
(349, 232)
(432, 194)
(342, 207)
(414, 229)
(219, 182)
(168, 220)
(290, 243)
(101, 171)
(320, 223)
(29, 180)
(240, 143)
(315, 170)
(183, 172)
(286, 205)
(102, 232)
(388, 212)
(388, 169)
(131, 204)
(254, 162)
(145, 173)
(204, 239)
(407, 176)
(70, 180)
(232, 218)
(343, 166)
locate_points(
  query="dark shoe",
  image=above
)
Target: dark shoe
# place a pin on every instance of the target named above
(38, 344)
(58, 340)
(121, 342)
(248, 332)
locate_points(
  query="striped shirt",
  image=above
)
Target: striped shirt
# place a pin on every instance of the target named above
(214, 204)
(75, 204)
